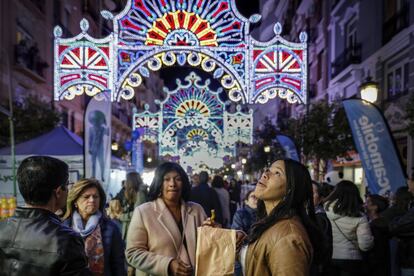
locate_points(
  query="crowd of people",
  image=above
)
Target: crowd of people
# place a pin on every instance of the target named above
(286, 224)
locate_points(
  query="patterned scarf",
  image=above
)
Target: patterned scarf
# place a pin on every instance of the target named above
(95, 252)
(92, 236)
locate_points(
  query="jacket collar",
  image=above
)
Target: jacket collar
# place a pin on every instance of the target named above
(29, 212)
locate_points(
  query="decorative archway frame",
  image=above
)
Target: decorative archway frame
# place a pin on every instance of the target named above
(209, 34)
(192, 120)
(82, 64)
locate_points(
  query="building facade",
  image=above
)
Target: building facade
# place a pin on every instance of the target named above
(349, 41)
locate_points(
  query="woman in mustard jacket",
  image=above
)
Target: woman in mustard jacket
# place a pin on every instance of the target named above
(286, 239)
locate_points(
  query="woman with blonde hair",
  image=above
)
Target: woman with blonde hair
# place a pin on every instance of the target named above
(114, 212)
(103, 243)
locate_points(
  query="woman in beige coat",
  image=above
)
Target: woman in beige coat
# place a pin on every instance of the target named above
(286, 239)
(161, 239)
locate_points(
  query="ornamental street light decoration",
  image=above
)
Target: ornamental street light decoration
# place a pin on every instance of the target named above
(206, 34)
(193, 127)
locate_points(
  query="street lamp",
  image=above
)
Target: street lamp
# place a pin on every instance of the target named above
(267, 149)
(244, 161)
(233, 166)
(369, 90)
(114, 146)
(149, 159)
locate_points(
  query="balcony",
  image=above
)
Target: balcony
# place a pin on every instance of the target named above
(395, 24)
(28, 61)
(351, 55)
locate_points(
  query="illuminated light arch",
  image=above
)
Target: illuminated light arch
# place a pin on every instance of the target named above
(209, 34)
(206, 60)
(84, 64)
(193, 126)
(280, 70)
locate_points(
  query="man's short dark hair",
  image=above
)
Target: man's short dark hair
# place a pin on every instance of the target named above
(38, 176)
(379, 201)
(203, 176)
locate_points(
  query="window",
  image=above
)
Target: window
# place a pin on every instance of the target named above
(397, 81)
(319, 72)
(351, 33)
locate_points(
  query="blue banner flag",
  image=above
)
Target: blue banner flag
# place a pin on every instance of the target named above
(375, 146)
(289, 147)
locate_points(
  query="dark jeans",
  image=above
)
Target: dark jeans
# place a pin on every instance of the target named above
(347, 268)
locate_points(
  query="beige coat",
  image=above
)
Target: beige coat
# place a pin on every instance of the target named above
(283, 249)
(154, 238)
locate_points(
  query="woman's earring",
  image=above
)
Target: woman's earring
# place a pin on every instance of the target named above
(76, 206)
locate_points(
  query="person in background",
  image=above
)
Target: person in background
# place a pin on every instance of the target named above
(351, 233)
(403, 228)
(325, 190)
(114, 212)
(135, 194)
(379, 256)
(234, 191)
(286, 239)
(195, 180)
(325, 226)
(246, 216)
(244, 189)
(400, 205)
(223, 195)
(121, 194)
(103, 243)
(243, 220)
(206, 197)
(34, 241)
(162, 235)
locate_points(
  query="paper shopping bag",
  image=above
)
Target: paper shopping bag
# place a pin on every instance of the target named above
(216, 251)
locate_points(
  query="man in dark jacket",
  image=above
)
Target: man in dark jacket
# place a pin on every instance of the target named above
(403, 228)
(33, 241)
(206, 197)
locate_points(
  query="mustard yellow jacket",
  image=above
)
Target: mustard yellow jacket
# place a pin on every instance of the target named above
(283, 249)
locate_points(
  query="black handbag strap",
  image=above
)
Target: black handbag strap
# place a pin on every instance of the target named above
(345, 236)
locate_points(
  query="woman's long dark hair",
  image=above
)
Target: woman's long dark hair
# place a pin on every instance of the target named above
(156, 185)
(132, 185)
(298, 201)
(345, 199)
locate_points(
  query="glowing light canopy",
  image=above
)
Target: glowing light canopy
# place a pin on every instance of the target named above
(193, 126)
(208, 34)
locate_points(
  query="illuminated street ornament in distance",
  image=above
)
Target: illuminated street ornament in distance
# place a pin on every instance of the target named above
(193, 126)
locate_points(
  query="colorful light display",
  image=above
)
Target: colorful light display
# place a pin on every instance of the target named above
(193, 126)
(207, 34)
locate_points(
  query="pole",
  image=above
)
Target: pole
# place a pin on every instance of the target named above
(11, 124)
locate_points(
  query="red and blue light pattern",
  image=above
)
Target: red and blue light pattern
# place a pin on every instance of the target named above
(182, 23)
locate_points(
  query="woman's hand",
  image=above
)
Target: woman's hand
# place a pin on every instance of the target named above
(211, 223)
(240, 236)
(179, 268)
